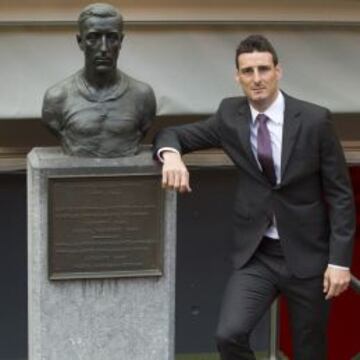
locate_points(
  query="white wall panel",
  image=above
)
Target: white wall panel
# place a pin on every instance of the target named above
(191, 69)
(244, 10)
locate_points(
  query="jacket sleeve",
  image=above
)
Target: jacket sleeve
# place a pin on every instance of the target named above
(195, 136)
(338, 194)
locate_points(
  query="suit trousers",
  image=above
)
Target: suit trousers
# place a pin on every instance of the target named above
(251, 291)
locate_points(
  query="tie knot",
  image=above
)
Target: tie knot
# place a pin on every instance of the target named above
(262, 118)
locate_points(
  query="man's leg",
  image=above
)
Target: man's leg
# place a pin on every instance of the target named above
(249, 293)
(308, 312)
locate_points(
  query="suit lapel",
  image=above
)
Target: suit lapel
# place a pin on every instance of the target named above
(290, 131)
(292, 122)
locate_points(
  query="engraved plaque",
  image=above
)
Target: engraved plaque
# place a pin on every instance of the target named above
(102, 227)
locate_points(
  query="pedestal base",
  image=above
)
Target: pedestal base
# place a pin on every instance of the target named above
(108, 319)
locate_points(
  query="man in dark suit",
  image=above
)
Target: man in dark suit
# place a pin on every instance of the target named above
(294, 212)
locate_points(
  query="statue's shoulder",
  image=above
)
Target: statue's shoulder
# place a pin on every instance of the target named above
(58, 93)
(139, 87)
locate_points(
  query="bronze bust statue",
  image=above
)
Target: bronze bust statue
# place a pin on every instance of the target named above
(99, 111)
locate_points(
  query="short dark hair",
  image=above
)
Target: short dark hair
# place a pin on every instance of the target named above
(255, 43)
(99, 10)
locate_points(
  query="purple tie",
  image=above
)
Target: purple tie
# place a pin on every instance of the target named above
(264, 151)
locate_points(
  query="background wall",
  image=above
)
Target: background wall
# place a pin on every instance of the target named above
(175, 10)
(185, 50)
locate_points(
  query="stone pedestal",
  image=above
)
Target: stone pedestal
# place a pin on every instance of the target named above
(109, 318)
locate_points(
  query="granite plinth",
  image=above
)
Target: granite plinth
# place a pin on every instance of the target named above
(96, 319)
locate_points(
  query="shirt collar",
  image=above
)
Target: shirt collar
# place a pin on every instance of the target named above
(120, 88)
(275, 111)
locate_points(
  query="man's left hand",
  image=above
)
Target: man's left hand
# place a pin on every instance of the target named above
(336, 281)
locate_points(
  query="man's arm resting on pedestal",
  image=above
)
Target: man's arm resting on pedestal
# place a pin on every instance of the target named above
(175, 175)
(171, 142)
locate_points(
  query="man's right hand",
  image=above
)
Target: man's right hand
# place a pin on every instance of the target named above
(175, 175)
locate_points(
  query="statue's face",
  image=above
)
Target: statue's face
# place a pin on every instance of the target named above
(100, 40)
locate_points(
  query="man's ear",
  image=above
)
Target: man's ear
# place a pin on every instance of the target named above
(279, 71)
(80, 42)
(237, 77)
(122, 35)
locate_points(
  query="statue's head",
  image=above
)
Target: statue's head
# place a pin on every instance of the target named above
(100, 36)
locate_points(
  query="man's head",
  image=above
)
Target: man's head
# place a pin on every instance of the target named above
(100, 36)
(258, 71)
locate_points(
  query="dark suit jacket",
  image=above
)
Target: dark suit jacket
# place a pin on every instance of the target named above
(313, 205)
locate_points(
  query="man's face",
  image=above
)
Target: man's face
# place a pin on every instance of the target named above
(100, 40)
(259, 78)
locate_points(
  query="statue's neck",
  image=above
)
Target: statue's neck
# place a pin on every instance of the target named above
(101, 80)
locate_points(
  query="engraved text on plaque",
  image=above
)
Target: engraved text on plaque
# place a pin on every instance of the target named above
(107, 226)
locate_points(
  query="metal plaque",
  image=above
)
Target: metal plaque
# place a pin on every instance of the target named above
(103, 227)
